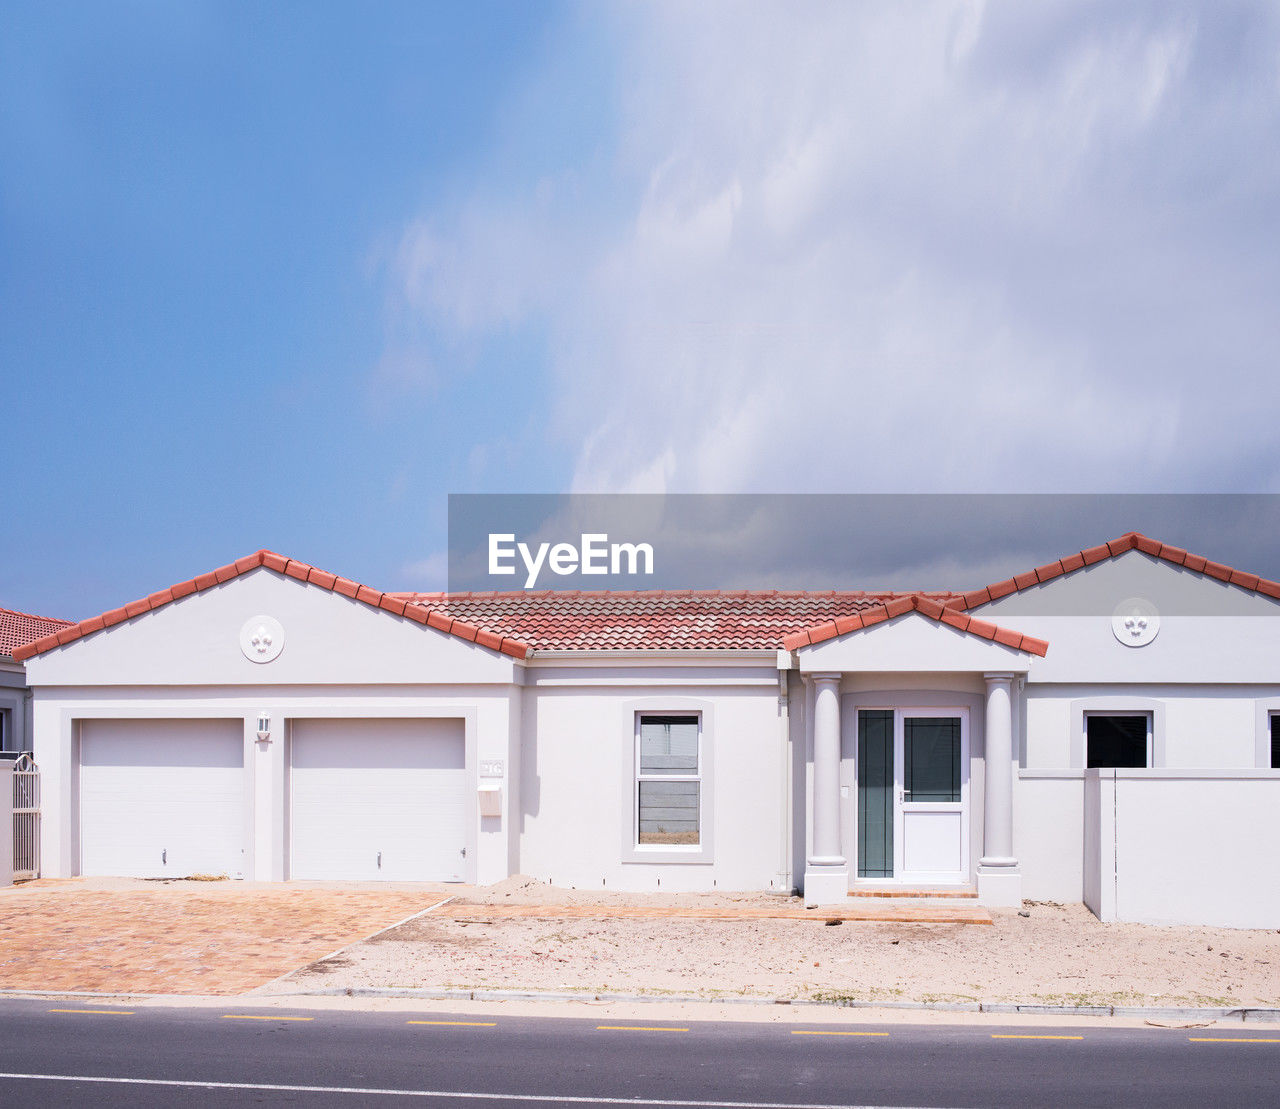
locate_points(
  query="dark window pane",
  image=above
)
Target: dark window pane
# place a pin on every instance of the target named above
(1116, 741)
(875, 794)
(1275, 743)
(668, 812)
(669, 745)
(931, 756)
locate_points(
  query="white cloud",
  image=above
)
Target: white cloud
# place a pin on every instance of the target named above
(901, 246)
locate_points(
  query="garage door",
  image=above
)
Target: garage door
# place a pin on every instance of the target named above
(379, 799)
(162, 798)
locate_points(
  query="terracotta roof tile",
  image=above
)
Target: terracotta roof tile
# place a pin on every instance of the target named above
(1130, 541)
(926, 605)
(657, 620)
(517, 623)
(39, 635)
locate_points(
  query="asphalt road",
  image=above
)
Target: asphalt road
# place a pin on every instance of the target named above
(124, 1056)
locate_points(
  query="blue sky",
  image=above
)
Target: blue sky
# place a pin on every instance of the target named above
(287, 275)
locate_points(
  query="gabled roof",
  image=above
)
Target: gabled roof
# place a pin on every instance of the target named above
(291, 568)
(944, 613)
(17, 629)
(654, 620)
(519, 623)
(1130, 541)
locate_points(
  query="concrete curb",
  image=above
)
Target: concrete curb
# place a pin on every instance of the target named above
(1242, 1014)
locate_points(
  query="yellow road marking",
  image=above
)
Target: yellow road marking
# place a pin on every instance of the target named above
(1020, 1036)
(460, 1023)
(98, 1012)
(242, 1016)
(810, 1032)
(636, 1028)
(1229, 1040)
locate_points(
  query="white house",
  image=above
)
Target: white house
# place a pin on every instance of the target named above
(1100, 729)
(17, 629)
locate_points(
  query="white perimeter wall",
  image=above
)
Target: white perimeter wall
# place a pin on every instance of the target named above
(1168, 847)
(576, 778)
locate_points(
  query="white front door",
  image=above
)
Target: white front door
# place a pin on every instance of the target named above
(931, 781)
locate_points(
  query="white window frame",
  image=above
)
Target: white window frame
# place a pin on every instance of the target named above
(1145, 714)
(1117, 705)
(641, 776)
(632, 850)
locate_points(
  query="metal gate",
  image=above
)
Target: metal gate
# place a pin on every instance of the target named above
(26, 818)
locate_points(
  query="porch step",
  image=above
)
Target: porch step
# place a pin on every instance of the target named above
(916, 893)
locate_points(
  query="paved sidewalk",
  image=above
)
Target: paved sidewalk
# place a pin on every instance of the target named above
(918, 912)
(184, 937)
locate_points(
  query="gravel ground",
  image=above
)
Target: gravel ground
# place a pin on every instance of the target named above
(1057, 954)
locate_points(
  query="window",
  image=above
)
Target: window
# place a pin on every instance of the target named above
(1118, 739)
(1275, 741)
(931, 755)
(668, 781)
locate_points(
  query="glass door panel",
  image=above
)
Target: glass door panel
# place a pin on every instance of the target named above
(875, 793)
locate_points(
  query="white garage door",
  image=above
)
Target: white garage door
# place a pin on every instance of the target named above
(379, 799)
(162, 798)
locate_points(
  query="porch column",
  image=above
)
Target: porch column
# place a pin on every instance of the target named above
(826, 875)
(999, 877)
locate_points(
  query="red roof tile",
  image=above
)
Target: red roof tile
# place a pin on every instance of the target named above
(517, 623)
(926, 605)
(1130, 541)
(17, 629)
(59, 632)
(654, 620)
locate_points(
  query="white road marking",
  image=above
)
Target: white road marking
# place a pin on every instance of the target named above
(468, 1095)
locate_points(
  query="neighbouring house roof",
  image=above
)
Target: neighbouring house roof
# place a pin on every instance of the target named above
(655, 620)
(17, 629)
(1130, 541)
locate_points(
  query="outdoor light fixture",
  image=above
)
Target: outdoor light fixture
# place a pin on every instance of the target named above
(264, 727)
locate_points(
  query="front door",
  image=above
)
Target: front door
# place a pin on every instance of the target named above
(913, 792)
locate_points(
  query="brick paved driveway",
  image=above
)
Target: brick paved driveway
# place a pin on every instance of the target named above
(184, 937)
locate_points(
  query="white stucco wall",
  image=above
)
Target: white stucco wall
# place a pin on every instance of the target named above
(57, 714)
(1209, 632)
(1173, 847)
(1197, 726)
(329, 639)
(1048, 823)
(341, 659)
(576, 782)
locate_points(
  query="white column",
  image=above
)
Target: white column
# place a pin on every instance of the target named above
(826, 875)
(999, 878)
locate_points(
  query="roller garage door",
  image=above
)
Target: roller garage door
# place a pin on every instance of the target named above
(378, 799)
(162, 798)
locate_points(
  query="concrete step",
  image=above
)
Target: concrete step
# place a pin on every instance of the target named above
(916, 893)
